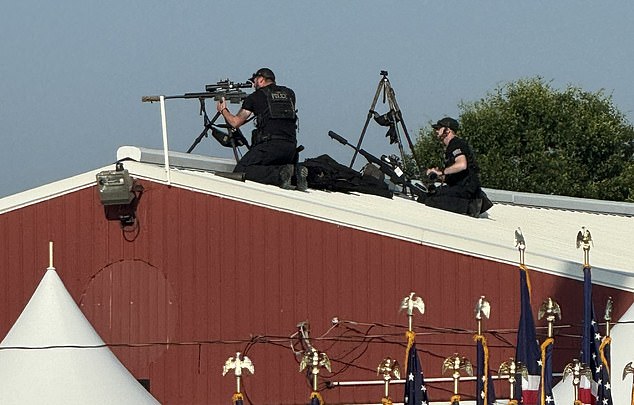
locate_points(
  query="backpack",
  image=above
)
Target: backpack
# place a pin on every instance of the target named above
(324, 173)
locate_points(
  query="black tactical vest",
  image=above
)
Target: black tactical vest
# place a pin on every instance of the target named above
(280, 105)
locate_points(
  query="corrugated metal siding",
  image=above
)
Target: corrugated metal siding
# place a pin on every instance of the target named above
(207, 274)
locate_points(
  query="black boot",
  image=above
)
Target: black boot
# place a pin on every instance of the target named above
(301, 174)
(286, 175)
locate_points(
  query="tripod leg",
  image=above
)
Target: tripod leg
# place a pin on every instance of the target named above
(399, 118)
(367, 120)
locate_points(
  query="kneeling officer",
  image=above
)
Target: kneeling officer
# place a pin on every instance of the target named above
(460, 191)
(273, 154)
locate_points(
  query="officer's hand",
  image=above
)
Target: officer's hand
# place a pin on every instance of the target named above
(221, 105)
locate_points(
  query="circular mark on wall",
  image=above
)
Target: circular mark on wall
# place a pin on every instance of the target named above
(132, 306)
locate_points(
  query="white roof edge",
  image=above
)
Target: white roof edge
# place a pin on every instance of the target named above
(176, 159)
(560, 202)
(49, 191)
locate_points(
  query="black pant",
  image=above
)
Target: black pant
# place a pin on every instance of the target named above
(262, 163)
(456, 198)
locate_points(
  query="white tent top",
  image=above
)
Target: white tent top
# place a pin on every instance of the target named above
(53, 355)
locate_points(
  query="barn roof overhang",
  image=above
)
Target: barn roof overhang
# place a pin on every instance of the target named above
(549, 223)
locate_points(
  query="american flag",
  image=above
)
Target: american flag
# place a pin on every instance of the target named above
(415, 390)
(598, 391)
(485, 392)
(527, 350)
(546, 394)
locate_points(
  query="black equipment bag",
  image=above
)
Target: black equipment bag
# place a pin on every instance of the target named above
(324, 173)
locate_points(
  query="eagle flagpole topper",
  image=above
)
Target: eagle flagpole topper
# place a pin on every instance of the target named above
(584, 239)
(410, 303)
(512, 369)
(315, 359)
(520, 244)
(388, 368)
(577, 369)
(482, 308)
(237, 364)
(550, 309)
(456, 363)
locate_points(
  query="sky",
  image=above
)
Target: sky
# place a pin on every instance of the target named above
(72, 73)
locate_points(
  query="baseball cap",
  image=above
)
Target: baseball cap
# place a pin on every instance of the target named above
(265, 73)
(447, 122)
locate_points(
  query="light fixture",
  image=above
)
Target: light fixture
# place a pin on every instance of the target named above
(119, 194)
(115, 186)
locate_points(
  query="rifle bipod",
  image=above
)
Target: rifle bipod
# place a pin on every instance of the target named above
(233, 138)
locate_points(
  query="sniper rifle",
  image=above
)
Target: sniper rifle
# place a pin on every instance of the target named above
(388, 166)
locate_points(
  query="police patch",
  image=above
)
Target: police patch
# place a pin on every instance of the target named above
(279, 96)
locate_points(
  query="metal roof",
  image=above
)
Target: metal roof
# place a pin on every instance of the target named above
(549, 223)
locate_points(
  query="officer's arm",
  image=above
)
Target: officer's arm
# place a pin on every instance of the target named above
(459, 165)
(234, 120)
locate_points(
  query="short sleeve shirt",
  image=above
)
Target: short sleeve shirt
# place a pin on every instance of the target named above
(459, 147)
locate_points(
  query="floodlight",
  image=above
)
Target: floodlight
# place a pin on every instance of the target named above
(115, 186)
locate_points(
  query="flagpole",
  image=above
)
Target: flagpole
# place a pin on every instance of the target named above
(415, 391)
(608, 316)
(527, 348)
(549, 309)
(482, 309)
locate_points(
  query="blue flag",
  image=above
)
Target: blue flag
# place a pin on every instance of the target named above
(546, 393)
(527, 350)
(598, 390)
(485, 392)
(415, 390)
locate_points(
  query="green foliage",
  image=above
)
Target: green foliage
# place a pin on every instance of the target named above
(530, 137)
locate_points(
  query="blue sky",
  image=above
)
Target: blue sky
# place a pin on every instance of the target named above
(73, 73)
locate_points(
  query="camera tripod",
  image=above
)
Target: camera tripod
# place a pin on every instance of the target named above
(392, 119)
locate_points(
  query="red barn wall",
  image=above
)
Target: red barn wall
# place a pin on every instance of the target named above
(204, 277)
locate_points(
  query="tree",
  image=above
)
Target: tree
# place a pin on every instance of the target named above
(530, 137)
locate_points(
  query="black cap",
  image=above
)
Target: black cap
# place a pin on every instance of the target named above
(265, 73)
(447, 122)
